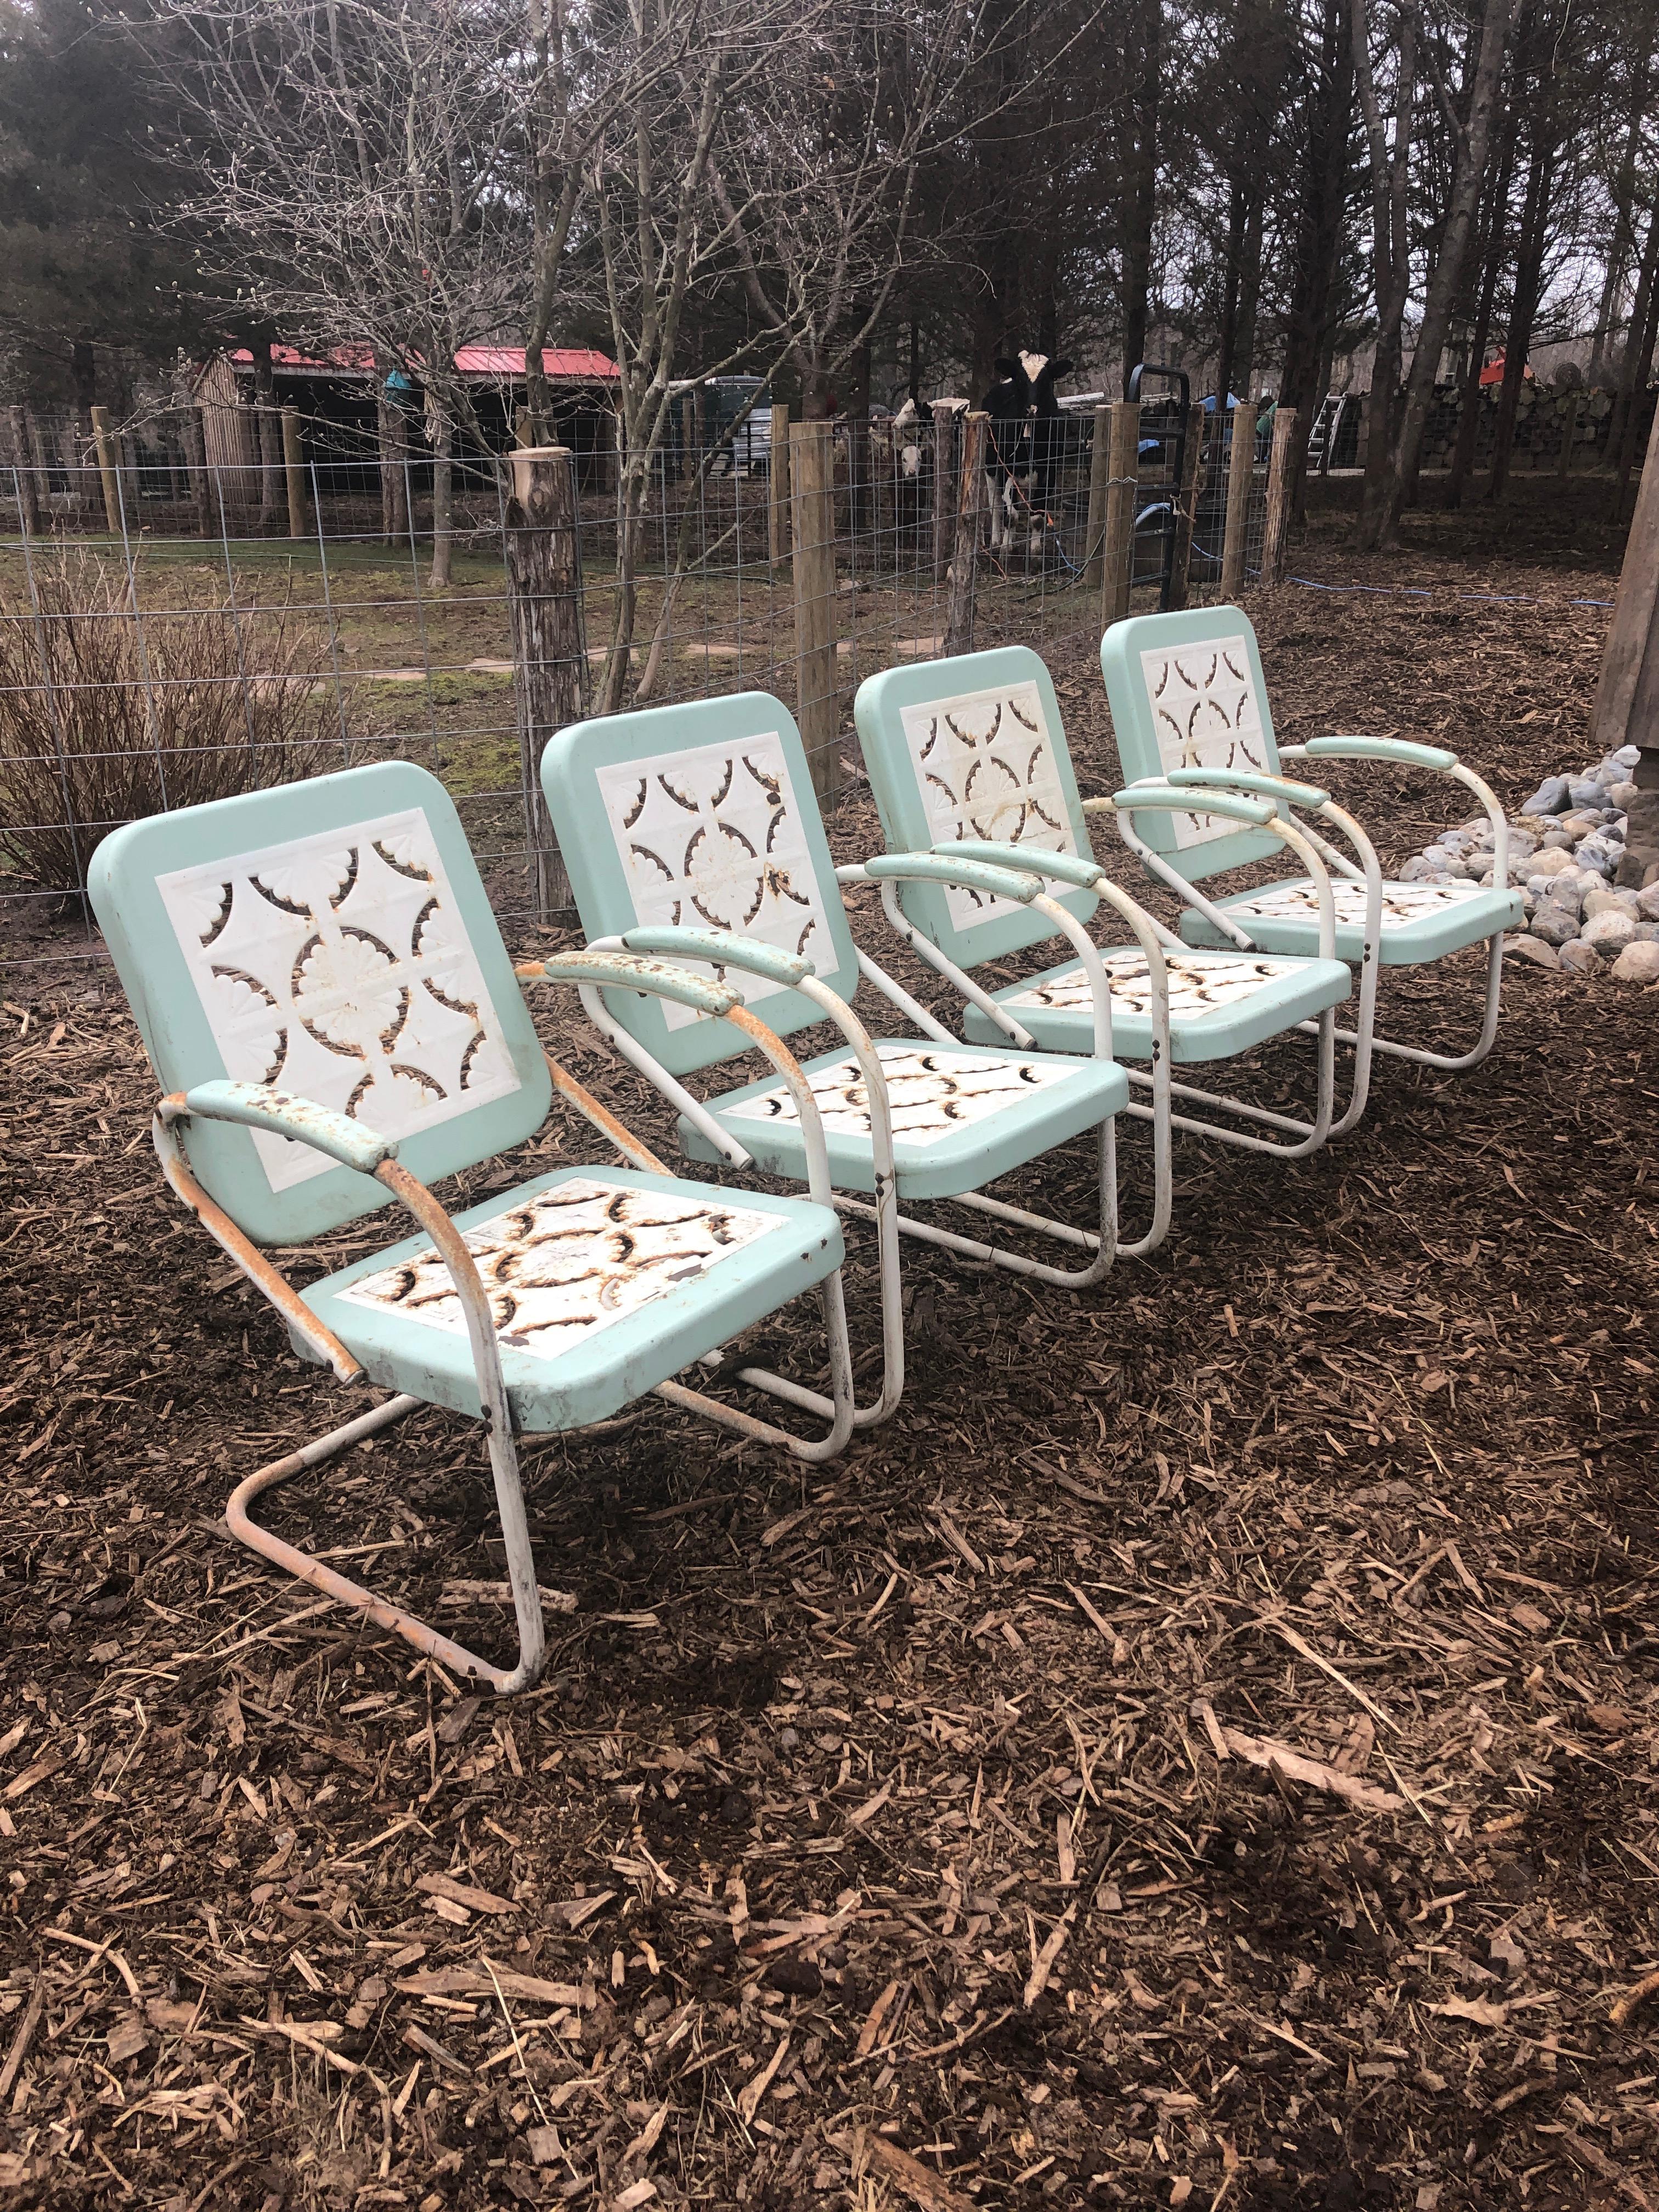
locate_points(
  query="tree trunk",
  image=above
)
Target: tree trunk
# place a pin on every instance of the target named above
(394, 481)
(443, 499)
(1528, 272)
(1497, 246)
(1643, 365)
(1141, 208)
(858, 442)
(1232, 270)
(1380, 526)
(1633, 368)
(84, 377)
(550, 662)
(267, 443)
(1320, 230)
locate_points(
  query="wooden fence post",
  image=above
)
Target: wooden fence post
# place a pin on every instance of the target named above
(777, 489)
(293, 469)
(1186, 507)
(964, 558)
(1100, 471)
(105, 441)
(28, 491)
(1118, 549)
(813, 505)
(549, 659)
(1279, 497)
(945, 489)
(1241, 477)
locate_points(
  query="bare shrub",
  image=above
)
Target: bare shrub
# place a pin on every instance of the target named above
(107, 714)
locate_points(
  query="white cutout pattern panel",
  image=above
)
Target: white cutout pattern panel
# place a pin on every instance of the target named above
(567, 1261)
(1199, 983)
(338, 968)
(1206, 714)
(930, 1091)
(713, 839)
(985, 764)
(1402, 902)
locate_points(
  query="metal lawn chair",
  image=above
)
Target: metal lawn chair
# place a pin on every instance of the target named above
(693, 831)
(335, 1025)
(1189, 703)
(968, 756)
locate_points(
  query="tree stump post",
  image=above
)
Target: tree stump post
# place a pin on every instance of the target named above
(28, 491)
(1100, 472)
(812, 506)
(1240, 477)
(294, 470)
(1123, 489)
(964, 559)
(1627, 694)
(1279, 497)
(945, 489)
(549, 659)
(104, 438)
(777, 490)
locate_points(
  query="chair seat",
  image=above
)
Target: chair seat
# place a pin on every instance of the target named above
(1420, 921)
(603, 1282)
(1221, 1003)
(962, 1115)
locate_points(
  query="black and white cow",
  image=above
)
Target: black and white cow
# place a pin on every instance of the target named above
(1022, 445)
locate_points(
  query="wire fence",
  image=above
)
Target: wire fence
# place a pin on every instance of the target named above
(161, 644)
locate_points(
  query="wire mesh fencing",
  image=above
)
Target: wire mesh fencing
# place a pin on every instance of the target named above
(174, 630)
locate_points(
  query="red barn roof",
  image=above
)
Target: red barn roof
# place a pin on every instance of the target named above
(564, 364)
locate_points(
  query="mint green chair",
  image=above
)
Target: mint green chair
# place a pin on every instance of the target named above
(692, 831)
(1190, 705)
(968, 756)
(335, 1025)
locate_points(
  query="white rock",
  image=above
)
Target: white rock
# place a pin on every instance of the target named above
(1535, 950)
(1610, 933)
(1647, 902)
(1620, 795)
(1636, 963)
(1552, 861)
(1602, 900)
(1627, 756)
(1579, 959)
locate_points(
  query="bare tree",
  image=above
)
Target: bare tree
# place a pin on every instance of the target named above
(351, 172)
(1396, 420)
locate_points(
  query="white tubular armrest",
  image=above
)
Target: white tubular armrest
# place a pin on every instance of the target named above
(942, 964)
(1404, 753)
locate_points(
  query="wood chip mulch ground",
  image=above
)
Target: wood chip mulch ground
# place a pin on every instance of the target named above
(1201, 1753)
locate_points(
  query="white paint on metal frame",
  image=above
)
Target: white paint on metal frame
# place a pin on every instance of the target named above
(1206, 714)
(338, 968)
(713, 838)
(986, 767)
(931, 1090)
(567, 1261)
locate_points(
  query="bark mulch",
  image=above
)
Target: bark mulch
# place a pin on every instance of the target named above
(1201, 1752)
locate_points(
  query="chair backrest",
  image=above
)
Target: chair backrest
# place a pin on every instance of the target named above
(700, 815)
(973, 747)
(333, 938)
(1186, 690)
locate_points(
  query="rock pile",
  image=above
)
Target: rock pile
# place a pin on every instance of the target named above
(1565, 845)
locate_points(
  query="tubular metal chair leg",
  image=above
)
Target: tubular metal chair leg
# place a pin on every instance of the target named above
(319, 1575)
(1448, 1063)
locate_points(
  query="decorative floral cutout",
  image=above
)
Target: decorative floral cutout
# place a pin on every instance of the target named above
(1206, 714)
(570, 1260)
(340, 965)
(985, 764)
(930, 1091)
(713, 838)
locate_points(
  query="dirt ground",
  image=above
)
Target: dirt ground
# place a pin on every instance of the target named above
(902, 1832)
